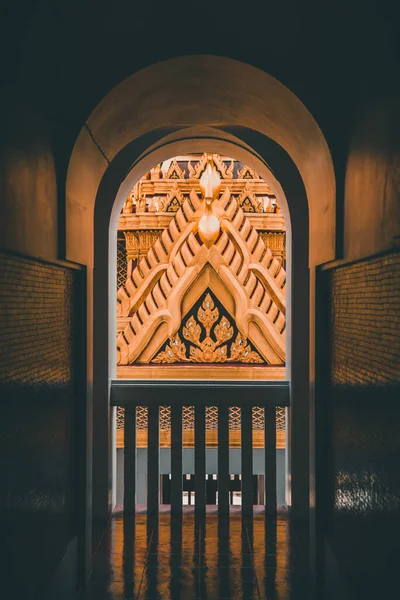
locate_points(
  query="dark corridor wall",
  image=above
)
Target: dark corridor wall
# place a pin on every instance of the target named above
(38, 385)
(365, 413)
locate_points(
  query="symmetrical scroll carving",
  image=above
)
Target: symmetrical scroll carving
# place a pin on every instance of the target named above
(211, 348)
(224, 170)
(243, 267)
(196, 171)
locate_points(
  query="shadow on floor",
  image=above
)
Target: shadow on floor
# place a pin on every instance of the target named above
(191, 558)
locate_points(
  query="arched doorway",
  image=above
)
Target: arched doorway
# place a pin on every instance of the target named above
(194, 309)
(132, 128)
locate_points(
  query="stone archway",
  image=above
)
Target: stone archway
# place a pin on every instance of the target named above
(134, 126)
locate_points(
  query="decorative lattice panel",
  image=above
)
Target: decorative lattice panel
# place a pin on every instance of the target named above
(122, 265)
(281, 418)
(188, 417)
(234, 417)
(211, 417)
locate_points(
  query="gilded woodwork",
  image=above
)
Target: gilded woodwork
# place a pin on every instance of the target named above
(201, 371)
(173, 200)
(175, 171)
(173, 268)
(153, 294)
(188, 425)
(235, 438)
(261, 221)
(208, 350)
(247, 173)
(188, 419)
(277, 244)
(138, 243)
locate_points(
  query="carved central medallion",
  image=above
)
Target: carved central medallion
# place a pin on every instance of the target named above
(209, 339)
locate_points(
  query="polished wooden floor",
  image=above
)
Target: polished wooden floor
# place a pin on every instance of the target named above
(189, 559)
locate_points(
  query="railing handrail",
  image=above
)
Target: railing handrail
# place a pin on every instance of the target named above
(137, 392)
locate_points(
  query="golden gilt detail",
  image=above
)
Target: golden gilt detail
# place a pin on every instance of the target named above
(208, 350)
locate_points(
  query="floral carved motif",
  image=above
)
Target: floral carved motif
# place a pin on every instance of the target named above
(217, 349)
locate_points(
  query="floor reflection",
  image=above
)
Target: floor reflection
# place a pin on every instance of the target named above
(195, 557)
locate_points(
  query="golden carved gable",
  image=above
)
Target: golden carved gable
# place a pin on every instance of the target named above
(247, 173)
(243, 266)
(249, 201)
(209, 339)
(173, 200)
(175, 171)
(224, 170)
(196, 170)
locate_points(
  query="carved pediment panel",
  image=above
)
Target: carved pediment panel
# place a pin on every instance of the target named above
(173, 200)
(175, 171)
(208, 335)
(153, 298)
(247, 173)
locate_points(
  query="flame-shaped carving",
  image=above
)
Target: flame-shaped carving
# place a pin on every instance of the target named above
(208, 350)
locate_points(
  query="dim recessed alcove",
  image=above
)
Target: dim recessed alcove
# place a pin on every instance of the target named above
(194, 105)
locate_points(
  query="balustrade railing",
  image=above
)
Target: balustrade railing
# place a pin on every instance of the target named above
(177, 394)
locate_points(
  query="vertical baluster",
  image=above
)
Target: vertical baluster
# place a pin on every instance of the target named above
(270, 459)
(130, 461)
(153, 462)
(176, 459)
(200, 460)
(223, 460)
(247, 460)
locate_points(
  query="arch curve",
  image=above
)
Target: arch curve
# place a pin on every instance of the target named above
(186, 101)
(200, 91)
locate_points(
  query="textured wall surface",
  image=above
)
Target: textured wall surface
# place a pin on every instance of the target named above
(37, 412)
(365, 404)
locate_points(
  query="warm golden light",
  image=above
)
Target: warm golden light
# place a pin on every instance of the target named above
(210, 182)
(208, 226)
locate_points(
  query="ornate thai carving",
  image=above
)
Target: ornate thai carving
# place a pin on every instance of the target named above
(173, 200)
(196, 171)
(128, 204)
(247, 173)
(138, 243)
(225, 171)
(188, 421)
(249, 201)
(169, 269)
(244, 269)
(216, 348)
(155, 172)
(277, 244)
(141, 204)
(174, 171)
(154, 194)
